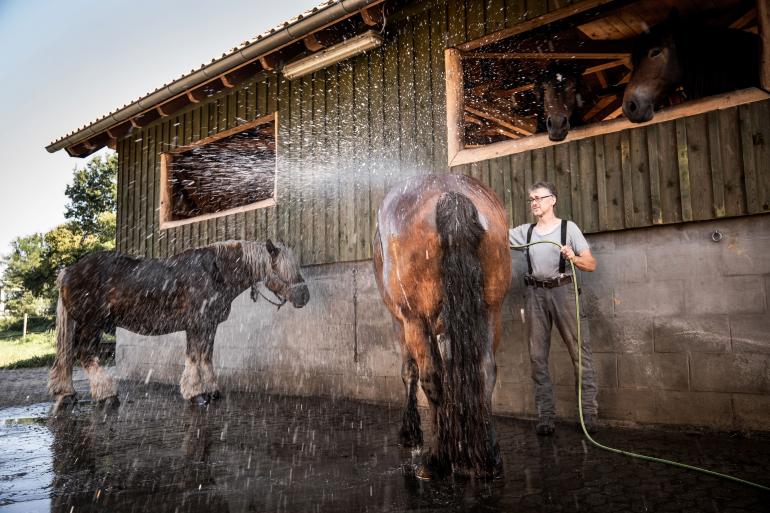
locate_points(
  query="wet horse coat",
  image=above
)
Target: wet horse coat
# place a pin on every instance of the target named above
(443, 267)
(190, 292)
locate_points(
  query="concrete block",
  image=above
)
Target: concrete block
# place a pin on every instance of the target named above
(752, 411)
(630, 266)
(685, 260)
(666, 371)
(509, 399)
(697, 334)
(605, 364)
(694, 408)
(626, 404)
(746, 253)
(750, 333)
(725, 295)
(739, 373)
(623, 334)
(596, 301)
(658, 298)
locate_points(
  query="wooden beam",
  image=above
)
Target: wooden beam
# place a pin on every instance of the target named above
(191, 97)
(162, 112)
(763, 16)
(547, 55)
(603, 102)
(453, 67)
(607, 65)
(745, 20)
(225, 81)
(373, 16)
(602, 79)
(614, 114)
(470, 118)
(520, 28)
(312, 43)
(134, 123)
(269, 61)
(485, 110)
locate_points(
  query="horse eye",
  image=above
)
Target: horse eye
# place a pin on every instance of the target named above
(654, 52)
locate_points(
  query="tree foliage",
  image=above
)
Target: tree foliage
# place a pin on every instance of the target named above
(35, 260)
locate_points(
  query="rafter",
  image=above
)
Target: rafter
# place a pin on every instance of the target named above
(485, 110)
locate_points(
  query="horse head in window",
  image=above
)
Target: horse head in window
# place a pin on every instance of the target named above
(560, 91)
(700, 59)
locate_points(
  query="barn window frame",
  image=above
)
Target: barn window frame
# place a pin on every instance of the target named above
(166, 158)
(458, 154)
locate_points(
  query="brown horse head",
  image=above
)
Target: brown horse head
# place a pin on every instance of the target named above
(559, 92)
(283, 276)
(657, 70)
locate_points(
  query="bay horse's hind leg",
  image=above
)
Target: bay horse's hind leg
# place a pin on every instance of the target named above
(198, 383)
(425, 354)
(411, 432)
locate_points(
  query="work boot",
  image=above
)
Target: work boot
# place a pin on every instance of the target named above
(589, 420)
(544, 426)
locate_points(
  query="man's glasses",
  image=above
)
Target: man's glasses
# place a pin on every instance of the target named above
(538, 200)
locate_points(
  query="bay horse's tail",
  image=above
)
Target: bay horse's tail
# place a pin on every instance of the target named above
(464, 431)
(60, 376)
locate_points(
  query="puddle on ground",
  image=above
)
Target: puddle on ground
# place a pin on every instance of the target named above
(272, 453)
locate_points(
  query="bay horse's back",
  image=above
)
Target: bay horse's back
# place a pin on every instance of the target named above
(443, 268)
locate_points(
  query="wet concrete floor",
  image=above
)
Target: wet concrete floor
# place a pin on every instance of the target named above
(247, 452)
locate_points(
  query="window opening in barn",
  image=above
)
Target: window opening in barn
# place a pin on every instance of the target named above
(563, 77)
(228, 173)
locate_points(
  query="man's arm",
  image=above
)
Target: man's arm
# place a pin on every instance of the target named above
(585, 261)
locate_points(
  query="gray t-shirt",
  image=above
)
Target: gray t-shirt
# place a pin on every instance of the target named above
(545, 257)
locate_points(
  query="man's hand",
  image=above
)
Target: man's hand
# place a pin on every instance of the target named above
(585, 261)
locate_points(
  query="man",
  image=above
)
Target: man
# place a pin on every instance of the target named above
(550, 298)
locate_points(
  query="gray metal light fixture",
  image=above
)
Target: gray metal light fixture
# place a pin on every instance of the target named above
(339, 52)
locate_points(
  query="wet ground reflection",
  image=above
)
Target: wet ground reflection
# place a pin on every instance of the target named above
(270, 453)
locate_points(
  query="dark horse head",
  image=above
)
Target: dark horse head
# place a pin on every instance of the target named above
(281, 275)
(702, 60)
(559, 91)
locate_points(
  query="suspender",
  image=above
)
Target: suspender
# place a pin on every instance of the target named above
(562, 262)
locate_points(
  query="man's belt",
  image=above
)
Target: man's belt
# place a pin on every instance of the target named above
(547, 284)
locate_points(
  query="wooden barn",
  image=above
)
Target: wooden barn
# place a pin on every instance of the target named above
(298, 134)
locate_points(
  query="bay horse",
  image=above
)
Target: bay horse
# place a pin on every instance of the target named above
(561, 91)
(702, 60)
(190, 292)
(443, 267)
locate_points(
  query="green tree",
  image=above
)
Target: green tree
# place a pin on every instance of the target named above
(93, 192)
(35, 260)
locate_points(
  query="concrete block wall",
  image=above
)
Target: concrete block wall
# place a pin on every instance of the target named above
(679, 326)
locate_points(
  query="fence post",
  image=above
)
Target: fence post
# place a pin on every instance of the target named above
(24, 332)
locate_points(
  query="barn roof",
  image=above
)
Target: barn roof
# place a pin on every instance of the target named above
(240, 63)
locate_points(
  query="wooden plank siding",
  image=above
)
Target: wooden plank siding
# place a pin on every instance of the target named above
(347, 133)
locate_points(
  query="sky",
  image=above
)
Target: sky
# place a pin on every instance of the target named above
(66, 63)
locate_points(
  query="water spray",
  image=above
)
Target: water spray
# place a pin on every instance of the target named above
(580, 396)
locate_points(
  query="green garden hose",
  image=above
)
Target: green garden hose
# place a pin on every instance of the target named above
(580, 396)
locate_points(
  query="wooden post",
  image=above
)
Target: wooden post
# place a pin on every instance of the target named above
(24, 331)
(454, 103)
(763, 17)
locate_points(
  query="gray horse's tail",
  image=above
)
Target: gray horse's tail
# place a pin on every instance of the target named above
(60, 376)
(464, 428)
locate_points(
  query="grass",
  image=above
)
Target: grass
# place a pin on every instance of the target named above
(39, 347)
(37, 350)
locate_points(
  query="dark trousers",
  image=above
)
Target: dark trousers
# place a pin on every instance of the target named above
(544, 308)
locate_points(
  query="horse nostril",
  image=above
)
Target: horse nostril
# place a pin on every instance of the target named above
(548, 122)
(631, 106)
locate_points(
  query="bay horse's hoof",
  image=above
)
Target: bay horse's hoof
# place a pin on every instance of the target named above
(423, 472)
(201, 399)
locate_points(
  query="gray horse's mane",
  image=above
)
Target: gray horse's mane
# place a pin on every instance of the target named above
(257, 259)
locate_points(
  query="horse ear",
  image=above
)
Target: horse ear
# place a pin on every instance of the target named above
(271, 248)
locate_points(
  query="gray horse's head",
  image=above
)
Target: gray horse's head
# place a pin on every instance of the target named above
(283, 277)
